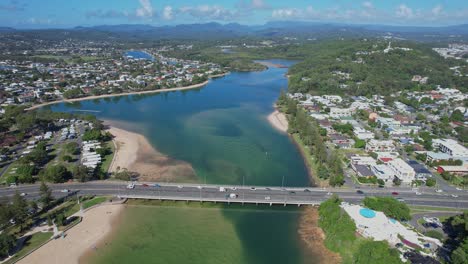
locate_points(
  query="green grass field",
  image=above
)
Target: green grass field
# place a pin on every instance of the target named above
(108, 158)
(93, 202)
(33, 242)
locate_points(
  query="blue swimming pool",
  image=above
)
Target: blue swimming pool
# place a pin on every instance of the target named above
(367, 213)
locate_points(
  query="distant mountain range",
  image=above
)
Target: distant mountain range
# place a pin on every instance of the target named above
(270, 29)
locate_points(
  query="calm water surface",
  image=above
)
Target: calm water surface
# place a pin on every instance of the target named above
(222, 131)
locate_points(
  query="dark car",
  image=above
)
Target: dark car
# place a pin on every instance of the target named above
(359, 192)
(145, 185)
(306, 190)
(292, 192)
(395, 193)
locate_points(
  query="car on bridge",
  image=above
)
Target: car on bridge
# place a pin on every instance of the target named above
(267, 198)
(359, 192)
(131, 186)
(395, 193)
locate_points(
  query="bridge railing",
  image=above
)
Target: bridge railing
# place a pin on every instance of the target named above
(221, 200)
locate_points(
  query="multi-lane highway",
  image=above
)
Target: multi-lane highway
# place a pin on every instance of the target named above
(247, 194)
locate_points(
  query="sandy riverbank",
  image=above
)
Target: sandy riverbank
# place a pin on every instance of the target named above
(123, 94)
(96, 224)
(279, 121)
(135, 153)
(313, 236)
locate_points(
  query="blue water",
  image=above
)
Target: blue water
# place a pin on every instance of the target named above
(139, 55)
(222, 131)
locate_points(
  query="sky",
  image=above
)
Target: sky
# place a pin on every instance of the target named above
(71, 13)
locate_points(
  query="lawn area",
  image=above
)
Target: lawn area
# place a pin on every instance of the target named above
(311, 165)
(31, 243)
(93, 202)
(106, 161)
(423, 209)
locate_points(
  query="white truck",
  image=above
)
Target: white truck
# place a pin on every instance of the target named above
(232, 195)
(131, 186)
(222, 189)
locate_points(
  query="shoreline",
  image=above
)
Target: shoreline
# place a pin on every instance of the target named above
(135, 153)
(278, 120)
(97, 223)
(313, 237)
(92, 97)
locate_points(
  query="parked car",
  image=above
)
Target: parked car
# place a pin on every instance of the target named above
(65, 190)
(359, 192)
(131, 186)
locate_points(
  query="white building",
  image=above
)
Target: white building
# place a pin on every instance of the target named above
(380, 146)
(402, 170)
(363, 134)
(450, 147)
(336, 112)
(383, 172)
(362, 160)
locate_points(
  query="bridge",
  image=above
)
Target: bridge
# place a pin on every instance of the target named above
(232, 194)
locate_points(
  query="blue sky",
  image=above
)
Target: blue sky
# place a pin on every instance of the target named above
(70, 13)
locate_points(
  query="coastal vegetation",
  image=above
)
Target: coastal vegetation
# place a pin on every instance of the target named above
(457, 228)
(361, 67)
(326, 164)
(340, 232)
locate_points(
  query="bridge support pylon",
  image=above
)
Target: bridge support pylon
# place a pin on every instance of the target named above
(271, 204)
(298, 205)
(284, 204)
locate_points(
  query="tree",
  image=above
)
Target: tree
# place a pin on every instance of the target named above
(457, 116)
(359, 143)
(56, 174)
(376, 252)
(59, 219)
(323, 172)
(20, 209)
(81, 173)
(389, 206)
(46, 195)
(7, 243)
(431, 182)
(460, 255)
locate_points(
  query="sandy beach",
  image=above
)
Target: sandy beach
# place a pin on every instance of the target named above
(96, 224)
(135, 153)
(279, 121)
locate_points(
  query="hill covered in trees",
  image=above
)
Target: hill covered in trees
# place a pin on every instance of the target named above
(365, 67)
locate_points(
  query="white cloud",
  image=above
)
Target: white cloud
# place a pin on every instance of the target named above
(259, 4)
(287, 13)
(209, 12)
(368, 5)
(168, 13)
(145, 10)
(403, 11)
(437, 10)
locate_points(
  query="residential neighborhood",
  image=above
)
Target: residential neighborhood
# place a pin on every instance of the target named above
(402, 139)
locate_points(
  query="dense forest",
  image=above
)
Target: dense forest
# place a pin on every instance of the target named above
(361, 67)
